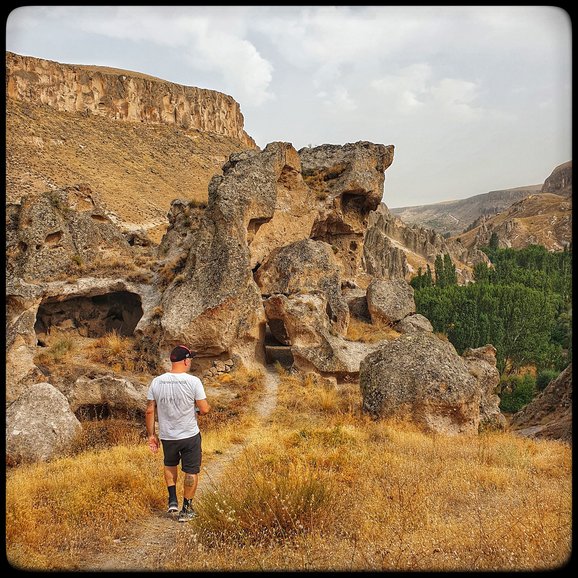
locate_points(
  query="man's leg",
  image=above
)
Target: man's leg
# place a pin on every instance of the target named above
(171, 475)
(190, 487)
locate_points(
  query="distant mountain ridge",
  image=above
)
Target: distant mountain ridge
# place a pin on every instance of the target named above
(452, 217)
(544, 218)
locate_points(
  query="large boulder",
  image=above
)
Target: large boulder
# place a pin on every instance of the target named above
(390, 300)
(481, 363)
(413, 323)
(39, 425)
(306, 266)
(421, 377)
(303, 320)
(117, 394)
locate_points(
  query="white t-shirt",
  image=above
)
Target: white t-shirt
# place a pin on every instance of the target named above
(175, 395)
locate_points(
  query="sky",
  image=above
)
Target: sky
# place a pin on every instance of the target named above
(474, 98)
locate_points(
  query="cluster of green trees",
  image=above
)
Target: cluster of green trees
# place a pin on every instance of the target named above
(522, 305)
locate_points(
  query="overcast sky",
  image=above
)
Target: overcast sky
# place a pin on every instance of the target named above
(474, 98)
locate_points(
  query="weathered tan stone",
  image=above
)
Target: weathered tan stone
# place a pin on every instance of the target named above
(422, 378)
(122, 95)
(389, 301)
(39, 425)
(481, 363)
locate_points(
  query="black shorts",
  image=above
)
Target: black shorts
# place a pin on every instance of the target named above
(187, 451)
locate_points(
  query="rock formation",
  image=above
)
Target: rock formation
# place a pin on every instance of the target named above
(39, 425)
(122, 95)
(420, 377)
(393, 249)
(389, 301)
(481, 363)
(560, 181)
(549, 414)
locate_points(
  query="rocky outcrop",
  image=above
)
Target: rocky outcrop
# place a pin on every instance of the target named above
(122, 95)
(88, 307)
(413, 323)
(560, 181)
(304, 267)
(393, 249)
(301, 321)
(481, 363)
(541, 219)
(348, 183)
(58, 233)
(549, 414)
(422, 378)
(389, 301)
(39, 425)
(118, 395)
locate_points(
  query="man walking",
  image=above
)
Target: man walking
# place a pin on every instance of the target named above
(174, 396)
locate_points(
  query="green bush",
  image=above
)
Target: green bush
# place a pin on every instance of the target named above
(544, 378)
(516, 392)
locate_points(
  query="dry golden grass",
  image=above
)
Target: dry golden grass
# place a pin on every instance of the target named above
(117, 352)
(322, 488)
(244, 384)
(55, 511)
(365, 332)
(58, 352)
(337, 491)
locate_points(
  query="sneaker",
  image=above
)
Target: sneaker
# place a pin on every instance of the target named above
(187, 514)
(173, 507)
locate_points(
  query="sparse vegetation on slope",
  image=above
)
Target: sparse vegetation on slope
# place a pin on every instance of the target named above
(137, 169)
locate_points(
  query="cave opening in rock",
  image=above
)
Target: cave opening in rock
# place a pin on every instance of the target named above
(277, 345)
(94, 316)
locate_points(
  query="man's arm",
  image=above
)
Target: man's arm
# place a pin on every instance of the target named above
(203, 406)
(153, 439)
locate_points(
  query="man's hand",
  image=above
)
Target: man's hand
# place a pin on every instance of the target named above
(153, 441)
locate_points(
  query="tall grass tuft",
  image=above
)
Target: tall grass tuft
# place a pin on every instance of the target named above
(117, 352)
(58, 352)
(266, 502)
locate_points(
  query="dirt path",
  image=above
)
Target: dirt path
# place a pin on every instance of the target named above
(143, 548)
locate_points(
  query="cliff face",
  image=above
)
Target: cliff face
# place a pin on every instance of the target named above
(393, 249)
(560, 181)
(122, 95)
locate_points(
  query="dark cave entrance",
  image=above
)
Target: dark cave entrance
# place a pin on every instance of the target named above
(95, 316)
(277, 345)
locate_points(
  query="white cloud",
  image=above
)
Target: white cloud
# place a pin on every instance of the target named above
(338, 100)
(208, 42)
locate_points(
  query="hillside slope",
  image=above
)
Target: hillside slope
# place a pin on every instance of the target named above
(454, 216)
(543, 219)
(111, 129)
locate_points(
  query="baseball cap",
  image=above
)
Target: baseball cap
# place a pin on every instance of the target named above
(181, 352)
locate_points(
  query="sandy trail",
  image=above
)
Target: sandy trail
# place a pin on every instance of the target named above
(143, 548)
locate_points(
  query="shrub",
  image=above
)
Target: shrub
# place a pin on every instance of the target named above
(516, 392)
(268, 501)
(544, 378)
